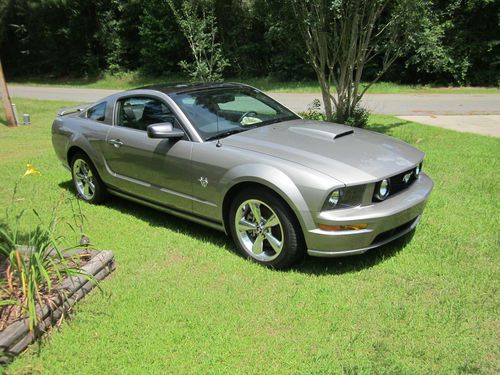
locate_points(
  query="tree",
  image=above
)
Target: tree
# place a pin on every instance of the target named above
(198, 24)
(118, 32)
(162, 45)
(441, 41)
(343, 36)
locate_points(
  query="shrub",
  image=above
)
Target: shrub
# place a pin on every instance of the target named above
(314, 111)
(359, 117)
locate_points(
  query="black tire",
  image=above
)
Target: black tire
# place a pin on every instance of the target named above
(291, 236)
(99, 193)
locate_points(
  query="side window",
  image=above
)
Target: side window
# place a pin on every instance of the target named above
(139, 113)
(97, 112)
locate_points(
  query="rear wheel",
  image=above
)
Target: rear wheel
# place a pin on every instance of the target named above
(265, 229)
(87, 183)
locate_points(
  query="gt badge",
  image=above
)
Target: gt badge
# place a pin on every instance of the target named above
(203, 181)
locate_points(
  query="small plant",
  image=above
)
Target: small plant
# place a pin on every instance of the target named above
(314, 111)
(359, 117)
(35, 262)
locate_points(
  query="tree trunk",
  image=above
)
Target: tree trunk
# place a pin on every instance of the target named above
(325, 92)
(7, 104)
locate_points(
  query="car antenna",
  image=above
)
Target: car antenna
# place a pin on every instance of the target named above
(217, 122)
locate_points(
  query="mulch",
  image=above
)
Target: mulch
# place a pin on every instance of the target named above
(11, 290)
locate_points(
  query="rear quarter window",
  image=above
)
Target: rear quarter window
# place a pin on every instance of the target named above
(97, 112)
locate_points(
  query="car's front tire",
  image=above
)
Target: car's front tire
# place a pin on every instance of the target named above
(265, 229)
(86, 180)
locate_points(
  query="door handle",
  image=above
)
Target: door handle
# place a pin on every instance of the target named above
(116, 142)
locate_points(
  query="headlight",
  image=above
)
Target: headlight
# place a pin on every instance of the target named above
(334, 198)
(347, 197)
(382, 189)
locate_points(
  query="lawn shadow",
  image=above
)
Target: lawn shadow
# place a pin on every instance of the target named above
(384, 129)
(9, 231)
(310, 265)
(156, 218)
(355, 263)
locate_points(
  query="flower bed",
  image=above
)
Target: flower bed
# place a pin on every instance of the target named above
(17, 335)
(41, 274)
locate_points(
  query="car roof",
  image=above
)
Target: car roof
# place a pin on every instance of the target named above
(179, 88)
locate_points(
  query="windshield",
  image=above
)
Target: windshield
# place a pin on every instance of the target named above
(224, 111)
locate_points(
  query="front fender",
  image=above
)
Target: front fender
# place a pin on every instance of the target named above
(274, 179)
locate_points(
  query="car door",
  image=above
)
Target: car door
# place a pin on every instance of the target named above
(151, 169)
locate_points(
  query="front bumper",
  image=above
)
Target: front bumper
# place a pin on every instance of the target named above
(386, 221)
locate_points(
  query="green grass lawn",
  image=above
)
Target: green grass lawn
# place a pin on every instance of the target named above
(182, 301)
(132, 80)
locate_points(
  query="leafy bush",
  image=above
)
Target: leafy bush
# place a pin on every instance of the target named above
(359, 117)
(314, 111)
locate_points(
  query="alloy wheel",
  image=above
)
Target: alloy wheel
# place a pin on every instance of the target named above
(84, 179)
(259, 230)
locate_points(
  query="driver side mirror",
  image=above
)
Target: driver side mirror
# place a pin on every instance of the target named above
(164, 130)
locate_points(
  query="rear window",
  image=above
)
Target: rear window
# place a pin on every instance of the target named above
(97, 112)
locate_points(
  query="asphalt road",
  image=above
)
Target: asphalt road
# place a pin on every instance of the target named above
(476, 113)
(59, 93)
(410, 104)
(394, 104)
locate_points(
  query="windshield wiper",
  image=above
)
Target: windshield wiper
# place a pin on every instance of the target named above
(225, 134)
(276, 120)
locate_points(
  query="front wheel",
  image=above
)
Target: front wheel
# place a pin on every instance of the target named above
(86, 181)
(265, 229)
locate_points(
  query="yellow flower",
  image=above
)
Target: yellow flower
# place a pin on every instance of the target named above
(31, 170)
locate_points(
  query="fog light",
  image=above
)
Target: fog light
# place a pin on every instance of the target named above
(382, 189)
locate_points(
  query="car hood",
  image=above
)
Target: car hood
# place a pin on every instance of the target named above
(350, 155)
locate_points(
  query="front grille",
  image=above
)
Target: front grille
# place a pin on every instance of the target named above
(392, 232)
(398, 183)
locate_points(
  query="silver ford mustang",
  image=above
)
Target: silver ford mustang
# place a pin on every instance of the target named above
(230, 157)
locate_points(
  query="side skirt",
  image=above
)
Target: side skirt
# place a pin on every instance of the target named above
(169, 210)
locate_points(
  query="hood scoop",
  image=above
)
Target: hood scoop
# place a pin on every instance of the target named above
(321, 134)
(343, 134)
